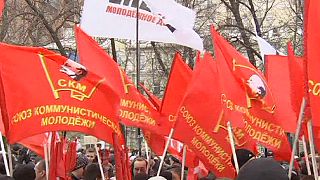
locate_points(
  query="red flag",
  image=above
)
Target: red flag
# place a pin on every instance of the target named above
(154, 99)
(312, 55)
(70, 157)
(251, 79)
(279, 77)
(259, 122)
(178, 81)
(44, 91)
(132, 107)
(2, 3)
(199, 117)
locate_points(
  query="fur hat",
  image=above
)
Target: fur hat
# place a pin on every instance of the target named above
(82, 161)
(262, 169)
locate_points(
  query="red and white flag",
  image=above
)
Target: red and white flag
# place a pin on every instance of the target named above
(159, 20)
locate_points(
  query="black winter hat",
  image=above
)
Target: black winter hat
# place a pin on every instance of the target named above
(243, 155)
(262, 169)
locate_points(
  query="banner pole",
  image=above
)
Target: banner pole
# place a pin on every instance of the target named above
(99, 161)
(165, 151)
(10, 159)
(46, 159)
(306, 154)
(233, 147)
(3, 152)
(296, 135)
(184, 154)
(313, 154)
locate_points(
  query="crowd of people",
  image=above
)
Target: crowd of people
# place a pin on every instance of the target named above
(28, 166)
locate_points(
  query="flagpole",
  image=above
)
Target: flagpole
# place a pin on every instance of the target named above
(296, 136)
(233, 147)
(184, 154)
(165, 151)
(10, 159)
(3, 151)
(313, 154)
(138, 67)
(306, 154)
(46, 159)
(99, 161)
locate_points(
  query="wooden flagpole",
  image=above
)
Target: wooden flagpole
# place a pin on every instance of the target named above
(99, 161)
(10, 159)
(46, 159)
(313, 154)
(233, 147)
(184, 154)
(3, 152)
(296, 136)
(165, 151)
(306, 154)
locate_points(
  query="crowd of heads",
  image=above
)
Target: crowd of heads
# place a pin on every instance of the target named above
(28, 166)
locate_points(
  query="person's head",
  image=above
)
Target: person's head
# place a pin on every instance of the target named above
(81, 163)
(91, 154)
(176, 172)
(139, 165)
(243, 156)
(92, 172)
(40, 170)
(24, 172)
(262, 169)
(141, 176)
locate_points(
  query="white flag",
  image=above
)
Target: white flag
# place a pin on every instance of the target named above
(159, 20)
(266, 48)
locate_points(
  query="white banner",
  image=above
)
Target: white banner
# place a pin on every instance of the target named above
(117, 19)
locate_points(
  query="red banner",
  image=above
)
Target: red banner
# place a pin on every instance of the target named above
(43, 91)
(2, 3)
(178, 81)
(133, 108)
(199, 114)
(312, 55)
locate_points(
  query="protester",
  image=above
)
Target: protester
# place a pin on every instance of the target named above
(40, 170)
(81, 163)
(24, 172)
(243, 156)
(141, 176)
(262, 169)
(91, 155)
(92, 172)
(139, 165)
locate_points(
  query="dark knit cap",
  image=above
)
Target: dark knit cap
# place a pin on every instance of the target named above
(243, 155)
(82, 161)
(262, 169)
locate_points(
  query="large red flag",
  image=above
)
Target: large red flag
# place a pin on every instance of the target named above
(312, 55)
(43, 91)
(199, 114)
(132, 107)
(259, 121)
(251, 79)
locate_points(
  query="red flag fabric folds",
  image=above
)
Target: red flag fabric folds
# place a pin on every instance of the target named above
(258, 115)
(2, 3)
(195, 118)
(132, 107)
(43, 91)
(312, 55)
